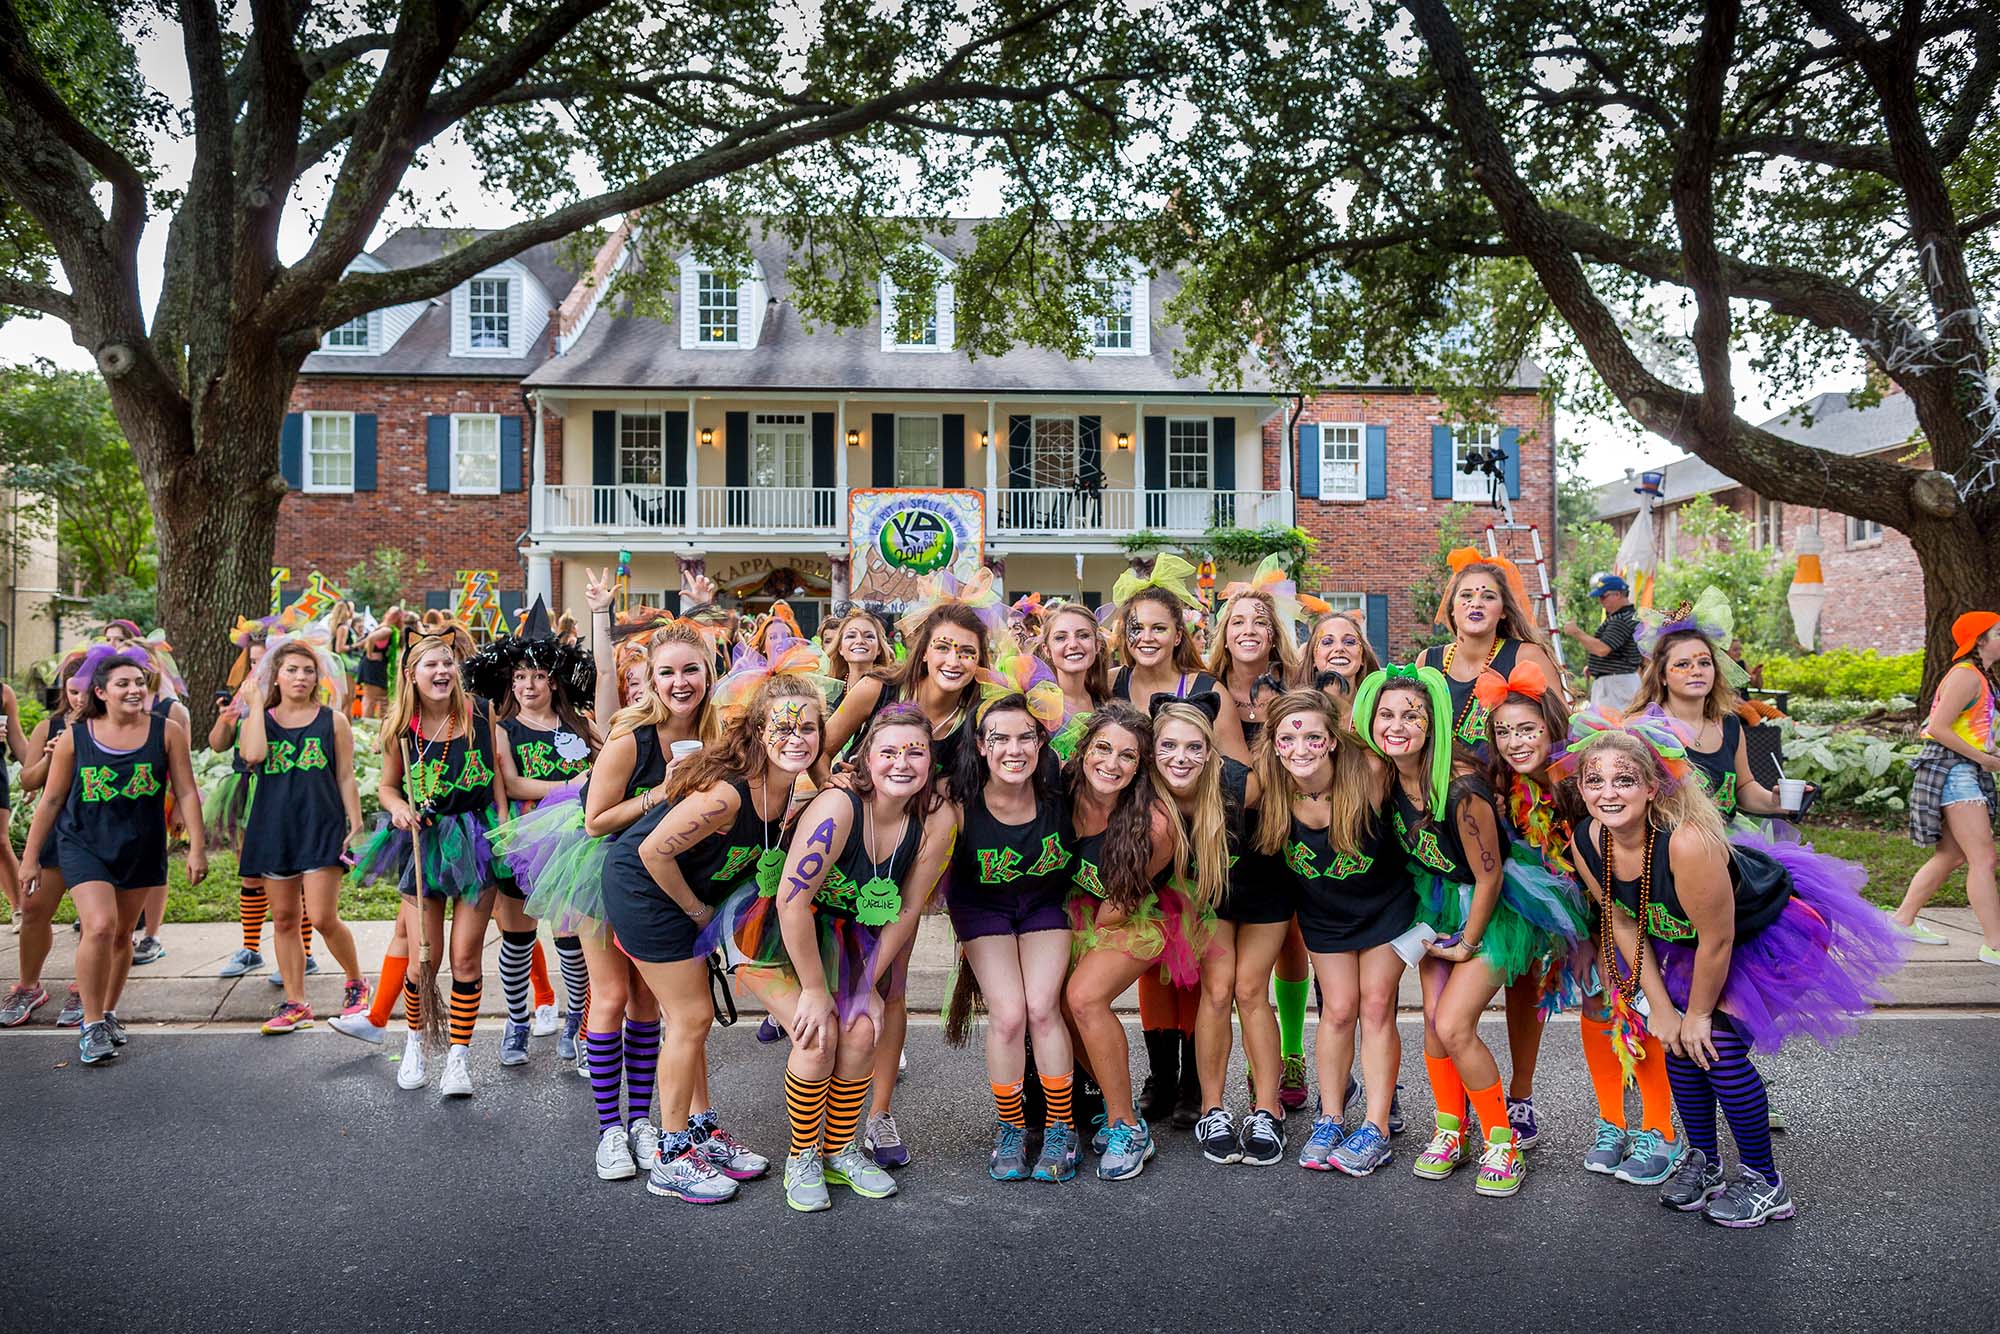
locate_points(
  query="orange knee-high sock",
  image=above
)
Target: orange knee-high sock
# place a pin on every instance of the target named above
(1187, 1003)
(1447, 1089)
(805, 1108)
(464, 1010)
(1490, 1105)
(1607, 1081)
(1159, 1008)
(1656, 1099)
(254, 906)
(844, 1100)
(1058, 1098)
(538, 977)
(1010, 1106)
(395, 967)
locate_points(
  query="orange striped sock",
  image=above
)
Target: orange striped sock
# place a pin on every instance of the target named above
(805, 1108)
(413, 1006)
(395, 967)
(844, 1100)
(306, 932)
(1007, 1101)
(464, 1010)
(254, 906)
(538, 977)
(1059, 1097)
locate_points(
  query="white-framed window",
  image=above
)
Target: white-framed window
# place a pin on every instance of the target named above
(717, 321)
(781, 450)
(1476, 487)
(1348, 604)
(642, 444)
(1054, 460)
(1863, 532)
(329, 449)
(475, 455)
(915, 327)
(919, 451)
(488, 325)
(1111, 327)
(1767, 524)
(1343, 461)
(1188, 453)
(349, 337)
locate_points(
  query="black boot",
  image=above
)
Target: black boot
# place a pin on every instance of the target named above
(1187, 1105)
(1163, 1085)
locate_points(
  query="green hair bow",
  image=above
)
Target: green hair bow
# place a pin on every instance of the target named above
(1431, 682)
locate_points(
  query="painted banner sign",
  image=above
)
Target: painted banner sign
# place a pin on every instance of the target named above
(479, 603)
(898, 537)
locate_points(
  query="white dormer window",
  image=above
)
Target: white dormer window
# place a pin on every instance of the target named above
(1116, 318)
(497, 313)
(716, 309)
(487, 323)
(1111, 328)
(352, 336)
(722, 304)
(913, 325)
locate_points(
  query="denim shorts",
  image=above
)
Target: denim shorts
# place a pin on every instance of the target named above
(1961, 783)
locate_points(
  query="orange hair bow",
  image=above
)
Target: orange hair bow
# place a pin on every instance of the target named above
(1463, 558)
(1527, 680)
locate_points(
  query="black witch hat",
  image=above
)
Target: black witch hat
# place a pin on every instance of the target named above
(489, 673)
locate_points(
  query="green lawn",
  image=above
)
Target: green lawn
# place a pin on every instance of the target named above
(1891, 860)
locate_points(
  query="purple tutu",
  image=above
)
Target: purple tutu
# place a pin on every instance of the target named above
(1816, 970)
(458, 860)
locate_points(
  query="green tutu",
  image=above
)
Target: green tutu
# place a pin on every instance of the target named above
(1539, 918)
(226, 812)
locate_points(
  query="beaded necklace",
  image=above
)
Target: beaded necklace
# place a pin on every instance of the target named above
(1471, 700)
(1627, 987)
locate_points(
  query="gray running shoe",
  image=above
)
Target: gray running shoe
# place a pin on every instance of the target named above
(1650, 1160)
(71, 1013)
(1607, 1151)
(884, 1142)
(859, 1173)
(22, 1001)
(514, 1044)
(690, 1177)
(278, 979)
(1009, 1159)
(1215, 1134)
(1126, 1149)
(1693, 1183)
(730, 1158)
(117, 1029)
(1263, 1139)
(646, 1144)
(1362, 1152)
(567, 1047)
(1326, 1136)
(1100, 1134)
(148, 949)
(1749, 1201)
(805, 1183)
(241, 962)
(1058, 1158)
(94, 1044)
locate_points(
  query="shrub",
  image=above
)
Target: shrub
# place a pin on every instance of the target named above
(1844, 674)
(1828, 711)
(1855, 769)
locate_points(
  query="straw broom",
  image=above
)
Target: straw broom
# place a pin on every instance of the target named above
(429, 998)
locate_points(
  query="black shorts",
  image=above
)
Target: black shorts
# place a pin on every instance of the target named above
(1258, 900)
(649, 926)
(981, 911)
(79, 866)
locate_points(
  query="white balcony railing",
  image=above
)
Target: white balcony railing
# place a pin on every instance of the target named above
(774, 509)
(1061, 512)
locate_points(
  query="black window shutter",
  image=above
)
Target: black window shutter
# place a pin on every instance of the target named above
(823, 468)
(603, 463)
(291, 450)
(437, 453)
(674, 440)
(736, 464)
(510, 452)
(1378, 624)
(437, 601)
(953, 446)
(1156, 471)
(882, 445)
(364, 451)
(1222, 475)
(1020, 468)
(1089, 453)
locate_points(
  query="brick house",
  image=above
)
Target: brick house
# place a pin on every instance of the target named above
(725, 438)
(1875, 596)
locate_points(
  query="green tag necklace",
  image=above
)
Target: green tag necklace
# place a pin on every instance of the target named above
(770, 865)
(879, 901)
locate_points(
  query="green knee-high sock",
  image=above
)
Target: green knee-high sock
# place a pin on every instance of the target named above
(1291, 1001)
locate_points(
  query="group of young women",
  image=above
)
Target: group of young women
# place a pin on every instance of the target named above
(1092, 811)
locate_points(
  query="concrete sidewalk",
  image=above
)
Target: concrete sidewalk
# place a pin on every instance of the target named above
(183, 987)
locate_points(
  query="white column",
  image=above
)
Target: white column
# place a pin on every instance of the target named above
(840, 452)
(992, 474)
(537, 502)
(692, 497)
(1287, 446)
(539, 586)
(1139, 465)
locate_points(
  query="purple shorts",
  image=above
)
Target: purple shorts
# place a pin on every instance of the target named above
(984, 912)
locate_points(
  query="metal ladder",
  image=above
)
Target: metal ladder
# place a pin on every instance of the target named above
(1546, 599)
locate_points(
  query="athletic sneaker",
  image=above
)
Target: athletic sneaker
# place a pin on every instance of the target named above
(1987, 954)
(21, 1002)
(1100, 1133)
(1362, 1152)
(1749, 1201)
(514, 1044)
(1608, 1151)
(1292, 1084)
(805, 1183)
(410, 1071)
(278, 979)
(241, 962)
(354, 996)
(1058, 1160)
(1396, 1111)
(1215, 1136)
(1009, 1159)
(545, 1022)
(768, 1031)
(884, 1143)
(566, 1043)
(1445, 1153)
(71, 1014)
(289, 1017)
(645, 1144)
(1317, 1155)
(1503, 1167)
(1917, 931)
(730, 1158)
(692, 1178)
(116, 1027)
(94, 1044)
(1694, 1183)
(859, 1173)
(357, 1026)
(1263, 1139)
(1774, 1116)
(147, 949)
(1126, 1149)
(613, 1159)
(457, 1081)
(1650, 1160)
(1521, 1117)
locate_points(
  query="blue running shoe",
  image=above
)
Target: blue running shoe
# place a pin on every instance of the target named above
(1009, 1159)
(1608, 1150)
(566, 1045)
(1317, 1155)
(514, 1044)
(278, 979)
(241, 962)
(1058, 1159)
(1362, 1152)
(113, 1026)
(1126, 1149)
(1099, 1134)
(1650, 1159)
(94, 1044)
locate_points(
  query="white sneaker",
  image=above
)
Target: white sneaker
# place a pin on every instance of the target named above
(646, 1144)
(457, 1081)
(545, 1023)
(903, 1062)
(410, 1074)
(614, 1155)
(357, 1026)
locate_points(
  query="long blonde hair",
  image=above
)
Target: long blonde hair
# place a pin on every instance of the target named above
(1283, 649)
(1207, 832)
(1350, 800)
(1097, 676)
(1676, 803)
(404, 709)
(652, 710)
(1720, 701)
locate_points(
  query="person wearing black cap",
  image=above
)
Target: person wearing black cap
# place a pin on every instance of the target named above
(1613, 651)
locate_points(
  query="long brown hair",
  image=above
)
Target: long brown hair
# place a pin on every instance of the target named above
(1351, 801)
(1283, 659)
(1186, 657)
(288, 649)
(1515, 620)
(740, 752)
(1097, 677)
(912, 672)
(1720, 701)
(1128, 832)
(885, 656)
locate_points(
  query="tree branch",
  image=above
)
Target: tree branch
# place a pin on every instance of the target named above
(1693, 191)
(33, 296)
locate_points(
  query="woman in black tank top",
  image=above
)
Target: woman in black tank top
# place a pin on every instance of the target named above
(1485, 606)
(113, 769)
(1151, 639)
(38, 909)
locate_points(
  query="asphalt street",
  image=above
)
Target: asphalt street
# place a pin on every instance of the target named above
(222, 1180)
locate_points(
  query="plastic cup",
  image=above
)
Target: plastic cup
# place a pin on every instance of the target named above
(1791, 793)
(1409, 946)
(682, 749)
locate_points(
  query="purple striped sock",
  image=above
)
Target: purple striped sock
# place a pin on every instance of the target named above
(606, 1053)
(642, 1063)
(1741, 1091)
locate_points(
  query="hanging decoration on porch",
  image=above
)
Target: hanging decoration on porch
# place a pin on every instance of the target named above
(478, 603)
(314, 603)
(897, 538)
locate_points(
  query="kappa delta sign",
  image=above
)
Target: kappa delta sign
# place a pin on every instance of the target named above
(898, 537)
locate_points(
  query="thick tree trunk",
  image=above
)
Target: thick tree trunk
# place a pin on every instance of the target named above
(1961, 567)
